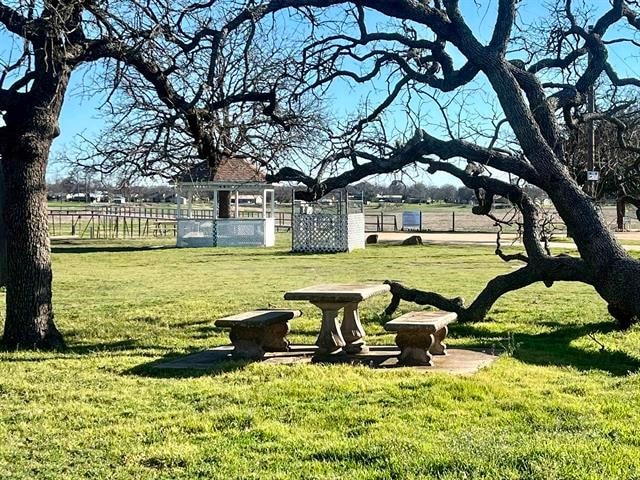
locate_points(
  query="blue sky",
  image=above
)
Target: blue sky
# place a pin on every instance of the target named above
(81, 112)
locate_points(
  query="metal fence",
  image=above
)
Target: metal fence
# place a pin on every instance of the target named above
(149, 222)
(97, 224)
(113, 222)
(463, 220)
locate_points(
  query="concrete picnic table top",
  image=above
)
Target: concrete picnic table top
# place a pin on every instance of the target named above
(338, 292)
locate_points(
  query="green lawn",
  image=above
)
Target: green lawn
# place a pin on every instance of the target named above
(555, 407)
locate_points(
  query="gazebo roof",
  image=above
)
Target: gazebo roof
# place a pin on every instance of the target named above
(230, 171)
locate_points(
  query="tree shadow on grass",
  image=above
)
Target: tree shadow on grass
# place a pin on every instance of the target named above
(204, 325)
(231, 252)
(153, 368)
(109, 248)
(161, 368)
(127, 347)
(119, 346)
(554, 348)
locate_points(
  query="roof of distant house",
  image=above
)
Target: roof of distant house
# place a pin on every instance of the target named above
(231, 170)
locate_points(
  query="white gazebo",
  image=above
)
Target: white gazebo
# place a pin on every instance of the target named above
(224, 226)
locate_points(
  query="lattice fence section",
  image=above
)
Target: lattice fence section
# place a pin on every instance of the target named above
(319, 232)
(195, 233)
(355, 229)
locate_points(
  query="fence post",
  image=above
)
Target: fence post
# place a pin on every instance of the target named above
(453, 221)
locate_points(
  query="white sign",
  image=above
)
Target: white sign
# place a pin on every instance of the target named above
(593, 176)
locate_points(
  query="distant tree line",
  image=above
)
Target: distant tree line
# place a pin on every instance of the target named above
(417, 192)
(83, 185)
(78, 182)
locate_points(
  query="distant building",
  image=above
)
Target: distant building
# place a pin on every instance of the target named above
(82, 197)
(389, 198)
(501, 202)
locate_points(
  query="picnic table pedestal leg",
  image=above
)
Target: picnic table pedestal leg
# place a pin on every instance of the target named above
(330, 340)
(352, 330)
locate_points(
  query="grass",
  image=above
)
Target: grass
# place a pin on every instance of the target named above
(556, 407)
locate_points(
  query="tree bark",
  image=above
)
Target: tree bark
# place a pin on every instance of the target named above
(29, 319)
(28, 134)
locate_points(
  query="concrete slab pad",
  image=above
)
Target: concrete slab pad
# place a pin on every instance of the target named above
(457, 361)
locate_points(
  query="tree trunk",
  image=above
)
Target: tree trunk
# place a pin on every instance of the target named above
(615, 274)
(29, 317)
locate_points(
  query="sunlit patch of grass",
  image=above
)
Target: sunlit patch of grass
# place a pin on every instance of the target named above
(557, 406)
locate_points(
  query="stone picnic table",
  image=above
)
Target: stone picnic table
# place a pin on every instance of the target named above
(331, 298)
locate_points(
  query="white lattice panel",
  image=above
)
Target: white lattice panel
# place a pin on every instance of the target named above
(319, 232)
(195, 233)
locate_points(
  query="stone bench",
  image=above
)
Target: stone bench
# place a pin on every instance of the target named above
(258, 331)
(420, 335)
